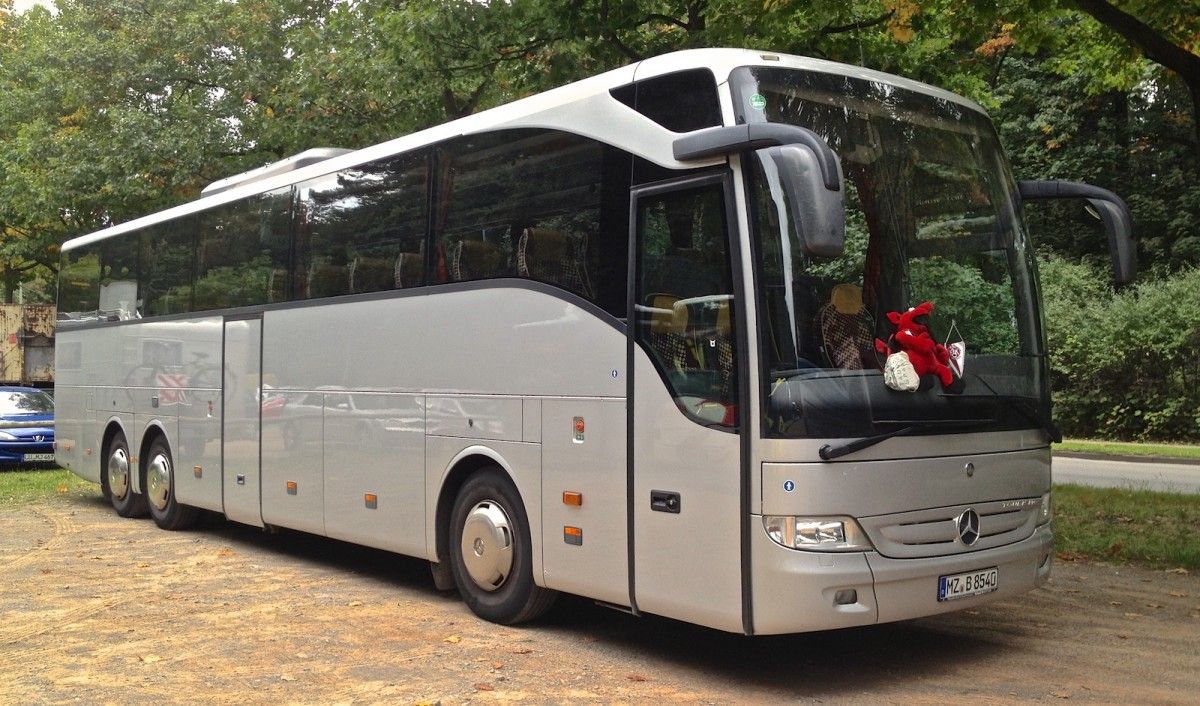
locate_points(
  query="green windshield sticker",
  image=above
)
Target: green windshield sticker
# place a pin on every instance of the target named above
(758, 102)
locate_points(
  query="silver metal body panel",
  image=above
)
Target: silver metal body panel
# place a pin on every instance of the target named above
(594, 467)
(685, 563)
(241, 422)
(853, 489)
(795, 591)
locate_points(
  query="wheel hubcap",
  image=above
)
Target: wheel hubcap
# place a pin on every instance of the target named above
(487, 545)
(158, 482)
(118, 472)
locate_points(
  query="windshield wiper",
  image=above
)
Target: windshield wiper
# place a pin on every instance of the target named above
(828, 452)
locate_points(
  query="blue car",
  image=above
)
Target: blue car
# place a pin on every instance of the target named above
(26, 426)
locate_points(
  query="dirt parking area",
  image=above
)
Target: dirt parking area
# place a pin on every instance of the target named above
(99, 610)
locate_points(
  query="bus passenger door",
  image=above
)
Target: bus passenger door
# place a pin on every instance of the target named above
(686, 455)
(242, 420)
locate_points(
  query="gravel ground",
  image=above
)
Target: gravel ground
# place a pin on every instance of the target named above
(99, 610)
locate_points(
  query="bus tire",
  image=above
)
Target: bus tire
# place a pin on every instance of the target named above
(491, 553)
(167, 512)
(118, 479)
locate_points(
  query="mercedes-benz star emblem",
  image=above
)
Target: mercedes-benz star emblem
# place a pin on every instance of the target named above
(968, 527)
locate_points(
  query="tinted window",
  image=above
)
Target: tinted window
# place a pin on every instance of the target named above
(528, 204)
(165, 282)
(685, 300)
(363, 229)
(680, 102)
(236, 254)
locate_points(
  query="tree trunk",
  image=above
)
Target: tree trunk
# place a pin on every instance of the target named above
(1155, 46)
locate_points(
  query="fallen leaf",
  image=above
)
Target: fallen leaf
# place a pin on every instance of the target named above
(1180, 570)
(287, 677)
(522, 651)
(354, 604)
(1061, 694)
(1114, 602)
(150, 659)
(1154, 605)
(1179, 594)
(497, 665)
(635, 677)
(453, 639)
(62, 488)
(1134, 615)
(484, 687)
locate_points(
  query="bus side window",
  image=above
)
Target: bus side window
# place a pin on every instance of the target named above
(685, 300)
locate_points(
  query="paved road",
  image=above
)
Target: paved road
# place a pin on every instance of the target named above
(1124, 473)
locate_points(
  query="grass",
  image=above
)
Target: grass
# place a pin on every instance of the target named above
(1116, 448)
(1155, 530)
(23, 486)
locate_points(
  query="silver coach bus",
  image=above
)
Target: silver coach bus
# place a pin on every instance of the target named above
(617, 339)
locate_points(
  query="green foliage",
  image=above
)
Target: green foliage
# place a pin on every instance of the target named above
(1161, 530)
(1123, 364)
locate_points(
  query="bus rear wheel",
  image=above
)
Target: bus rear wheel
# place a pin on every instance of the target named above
(491, 554)
(168, 513)
(118, 479)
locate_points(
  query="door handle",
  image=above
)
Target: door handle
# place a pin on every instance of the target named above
(664, 501)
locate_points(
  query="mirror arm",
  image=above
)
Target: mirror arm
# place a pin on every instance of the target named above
(720, 141)
(1113, 213)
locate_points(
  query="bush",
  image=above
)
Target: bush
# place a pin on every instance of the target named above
(1123, 365)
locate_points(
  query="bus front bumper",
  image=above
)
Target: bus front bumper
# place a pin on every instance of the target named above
(795, 591)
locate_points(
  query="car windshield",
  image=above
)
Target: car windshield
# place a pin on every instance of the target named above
(21, 402)
(931, 217)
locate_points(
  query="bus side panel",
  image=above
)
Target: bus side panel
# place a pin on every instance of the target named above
(687, 562)
(584, 453)
(293, 467)
(171, 372)
(74, 427)
(374, 460)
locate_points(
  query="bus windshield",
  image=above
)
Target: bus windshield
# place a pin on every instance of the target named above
(931, 216)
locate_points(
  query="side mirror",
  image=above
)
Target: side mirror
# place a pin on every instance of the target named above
(1105, 205)
(796, 157)
(819, 212)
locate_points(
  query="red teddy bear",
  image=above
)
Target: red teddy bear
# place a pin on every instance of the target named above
(912, 337)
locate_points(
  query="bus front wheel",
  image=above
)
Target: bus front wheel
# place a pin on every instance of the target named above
(118, 479)
(491, 554)
(168, 513)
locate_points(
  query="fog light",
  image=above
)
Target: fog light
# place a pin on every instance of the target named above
(846, 596)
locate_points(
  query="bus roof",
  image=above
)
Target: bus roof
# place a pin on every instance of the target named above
(584, 107)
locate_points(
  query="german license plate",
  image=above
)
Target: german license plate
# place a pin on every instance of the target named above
(37, 457)
(971, 583)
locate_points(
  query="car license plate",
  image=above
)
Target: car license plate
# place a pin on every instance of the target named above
(971, 583)
(37, 457)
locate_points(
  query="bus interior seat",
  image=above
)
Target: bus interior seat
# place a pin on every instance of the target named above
(328, 281)
(550, 256)
(277, 286)
(476, 259)
(372, 274)
(409, 270)
(845, 327)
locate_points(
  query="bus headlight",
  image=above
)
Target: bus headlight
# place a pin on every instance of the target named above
(823, 534)
(1046, 511)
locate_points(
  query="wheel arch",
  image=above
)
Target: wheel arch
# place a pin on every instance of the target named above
(469, 462)
(154, 431)
(111, 429)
